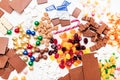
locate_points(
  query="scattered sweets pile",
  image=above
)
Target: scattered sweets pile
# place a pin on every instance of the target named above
(97, 32)
(69, 51)
(9, 60)
(107, 67)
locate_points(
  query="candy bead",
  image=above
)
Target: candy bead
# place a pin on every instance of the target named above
(36, 23)
(28, 32)
(31, 68)
(30, 54)
(25, 59)
(62, 66)
(15, 78)
(56, 56)
(9, 32)
(25, 52)
(33, 33)
(29, 46)
(40, 38)
(14, 38)
(17, 30)
(45, 57)
(67, 56)
(20, 53)
(37, 43)
(30, 63)
(32, 58)
(52, 57)
(23, 78)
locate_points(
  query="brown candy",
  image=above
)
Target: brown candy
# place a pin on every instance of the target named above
(45, 57)
(42, 51)
(40, 56)
(37, 49)
(37, 59)
(46, 50)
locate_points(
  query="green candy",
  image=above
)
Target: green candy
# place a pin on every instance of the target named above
(36, 23)
(106, 71)
(40, 38)
(9, 32)
(37, 43)
(30, 63)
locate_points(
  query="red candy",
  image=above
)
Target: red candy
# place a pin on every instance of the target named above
(58, 46)
(17, 30)
(62, 66)
(30, 54)
(56, 56)
(55, 41)
(29, 46)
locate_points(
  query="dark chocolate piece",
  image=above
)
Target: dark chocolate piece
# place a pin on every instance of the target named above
(3, 61)
(90, 67)
(76, 12)
(19, 5)
(64, 22)
(1, 13)
(3, 44)
(76, 73)
(4, 4)
(42, 1)
(55, 21)
(17, 63)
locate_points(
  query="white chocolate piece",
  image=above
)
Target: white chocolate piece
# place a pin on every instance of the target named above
(5, 22)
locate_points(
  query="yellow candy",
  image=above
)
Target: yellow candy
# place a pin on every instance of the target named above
(72, 31)
(60, 52)
(52, 57)
(15, 78)
(103, 74)
(102, 69)
(31, 68)
(69, 36)
(14, 38)
(100, 65)
(112, 58)
(23, 78)
(67, 56)
(86, 51)
(74, 49)
(75, 64)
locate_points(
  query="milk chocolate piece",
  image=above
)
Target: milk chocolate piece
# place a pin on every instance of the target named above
(10, 53)
(1, 13)
(3, 61)
(17, 63)
(3, 44)
(101, 29)
(6, 73)
(93, 48)
(42, 1)
(85, 18)
(89, 33)
(55, 21)
(2, 71)
(90, 67)
(4, 4)
(19, 5)
(76, 12)
(66, 77)
(81, 27)
(76, 74)
(64, 22)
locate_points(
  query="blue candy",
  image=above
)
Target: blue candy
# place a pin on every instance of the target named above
(32, 58)
(66, 3)
(33, 33)
(50, 8)
(25, 52)
(62, 8)
(28, 32)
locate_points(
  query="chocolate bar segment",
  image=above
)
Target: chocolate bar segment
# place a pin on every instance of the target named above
(3, 44)
(4, 4)
(1, 13)
(76, 12)
(6, 73)
(3, 61)
(42, 1)
(19, 5)
(90, 67)
(10, 53)
(89, 33)
(76, 74)
(17, 63)
(64, 22)
(55, 21)
(101, 28)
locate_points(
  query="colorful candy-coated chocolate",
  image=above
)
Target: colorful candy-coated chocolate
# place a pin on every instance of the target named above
(40, 38)
(25, 52)
(33, 33)
(55, 41)
(30, 63)
(32, 58)
(29, 46)
(17, 30)
(37, 42)
(9, 32)
(25, 59)
(56, 56)
(28, 32)
(30, 54)
(36, 23)
(62, 66)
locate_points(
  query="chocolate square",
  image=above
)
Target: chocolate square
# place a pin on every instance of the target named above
(1, 13)
(6, 73)
(2, 71)
(76, 12)
(19, 5)
(3, 61)
(64, 22)
(4, 4)
(76, 73)
(42, 1)
(3, 44)
(17, 63)
(55, 21)
(90, 67)
(66, 77)
(10, 53)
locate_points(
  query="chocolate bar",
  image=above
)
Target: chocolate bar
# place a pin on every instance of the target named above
(1, 13)
(89, 33)
(66, 77)
(4, 4)
(3, 44)
(6, 73)
(90, 67)
(19, 5)
(81, 27)
(17, 63)
(76, 12)
(3, 61)
(10, 53)
(42, 1)
(76, 74)
(55, 21)
(64, 22)
(101, 28)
